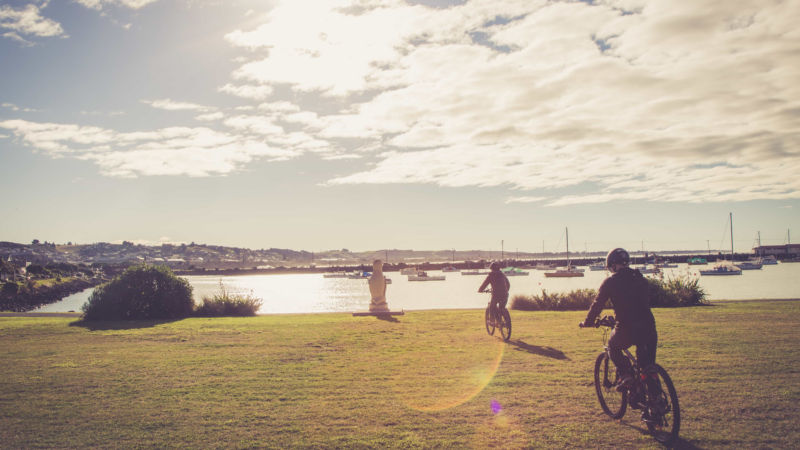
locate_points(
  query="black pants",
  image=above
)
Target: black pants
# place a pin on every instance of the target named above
(645, 343)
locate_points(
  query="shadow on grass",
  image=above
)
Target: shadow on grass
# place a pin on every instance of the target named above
(681, 443)
(103, 325)
(549, 352)
(387, 317)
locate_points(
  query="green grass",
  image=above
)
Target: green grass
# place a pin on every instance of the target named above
(424, 380)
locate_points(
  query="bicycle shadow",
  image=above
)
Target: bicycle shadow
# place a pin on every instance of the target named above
(549, 352)
(680, 444)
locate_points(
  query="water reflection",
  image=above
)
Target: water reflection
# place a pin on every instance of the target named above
(310, 293)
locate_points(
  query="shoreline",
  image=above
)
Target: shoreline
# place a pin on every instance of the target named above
(78, 315)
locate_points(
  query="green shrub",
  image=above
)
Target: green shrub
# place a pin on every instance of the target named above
(141, 292)
(572, 301)
(679, 291)
(672, 292)
(226, 304)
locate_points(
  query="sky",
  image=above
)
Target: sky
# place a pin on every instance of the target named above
(380, 124)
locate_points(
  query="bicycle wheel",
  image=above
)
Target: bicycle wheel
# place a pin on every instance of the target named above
(663, 415)
(489, 321)
(505, 325)
(613, 402)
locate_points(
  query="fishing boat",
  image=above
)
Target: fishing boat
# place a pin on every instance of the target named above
(725, 268)
(569, 271)
(514, 272)
(697, 261)
(423, 276)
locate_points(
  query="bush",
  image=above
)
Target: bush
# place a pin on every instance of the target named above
(674, 292)
(141, 292)
(226, 304)
(573, 301)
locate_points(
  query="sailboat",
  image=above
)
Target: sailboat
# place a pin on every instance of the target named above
(569, 271)
(725, 269)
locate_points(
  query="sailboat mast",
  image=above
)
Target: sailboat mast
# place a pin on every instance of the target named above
(566, 228)
(731, 219)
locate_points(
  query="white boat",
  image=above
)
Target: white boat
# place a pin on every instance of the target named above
(722, 269)
(514, 272)
(335, 275)
(749, 265)
(648, 270)
(597, 266)
(474, 272)
(569, 271)
(769, 260)
(423, 276)
(449, 269)
(359, 275)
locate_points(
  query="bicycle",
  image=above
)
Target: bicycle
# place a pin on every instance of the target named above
(497, 319)
(660, 409)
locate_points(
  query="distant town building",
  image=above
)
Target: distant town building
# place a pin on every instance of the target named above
(777, 250)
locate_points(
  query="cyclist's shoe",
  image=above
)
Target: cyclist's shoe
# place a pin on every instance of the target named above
(624, 383)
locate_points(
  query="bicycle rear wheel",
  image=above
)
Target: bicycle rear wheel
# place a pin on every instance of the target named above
(663, 415)
(505, 325)
(490, 326)
(613, 402)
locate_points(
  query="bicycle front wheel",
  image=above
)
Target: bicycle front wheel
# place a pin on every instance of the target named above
(663, 416)
(613, 402)
(489, 321)
(505, 325)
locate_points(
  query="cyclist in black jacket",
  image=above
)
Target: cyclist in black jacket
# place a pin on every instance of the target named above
(500, 286)
(627, 290)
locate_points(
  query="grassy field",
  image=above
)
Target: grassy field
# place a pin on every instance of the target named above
(426, 379)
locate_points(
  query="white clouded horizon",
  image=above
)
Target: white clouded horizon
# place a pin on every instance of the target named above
(683, 101)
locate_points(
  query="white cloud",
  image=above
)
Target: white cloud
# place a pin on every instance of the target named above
(248, 91)
(171, 105)
(210, 116)
(173, 151)
(27, 21)
(101, 4)
(538, 95)
(525, 199)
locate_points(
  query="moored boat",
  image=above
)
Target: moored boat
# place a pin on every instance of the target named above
(514, 272)
(722, 269)
(423, 276)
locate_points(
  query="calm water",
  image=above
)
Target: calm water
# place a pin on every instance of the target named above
(308, 293)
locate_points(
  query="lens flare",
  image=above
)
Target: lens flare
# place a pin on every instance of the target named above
(459, 388)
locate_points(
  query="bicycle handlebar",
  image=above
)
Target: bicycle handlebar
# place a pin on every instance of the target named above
(606, 321)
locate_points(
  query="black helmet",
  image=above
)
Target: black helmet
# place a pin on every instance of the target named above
(494, 266)
(617, 256)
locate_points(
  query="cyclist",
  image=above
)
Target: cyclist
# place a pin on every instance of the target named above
(627, 290)
(500, 287)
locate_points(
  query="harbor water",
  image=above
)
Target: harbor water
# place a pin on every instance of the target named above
(313, 293)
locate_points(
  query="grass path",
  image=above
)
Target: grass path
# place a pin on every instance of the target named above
(426, 379)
